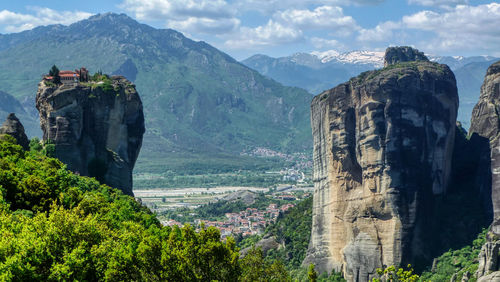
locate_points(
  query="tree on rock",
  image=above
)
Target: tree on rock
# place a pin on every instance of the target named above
(54, 72)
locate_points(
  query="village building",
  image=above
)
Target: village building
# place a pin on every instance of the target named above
(67, 76)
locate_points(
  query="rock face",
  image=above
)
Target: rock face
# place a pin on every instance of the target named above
(394, 55)
(485, 124)
(488, 257)
(382, 149)
(97, 128)
(266, 244)
(14, 127)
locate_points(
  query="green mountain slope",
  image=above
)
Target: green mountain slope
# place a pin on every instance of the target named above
(306, 71)
(469, 80)
(311, 73)
(9, 104)
(199, 102)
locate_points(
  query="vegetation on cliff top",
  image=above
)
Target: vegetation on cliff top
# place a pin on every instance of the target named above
(413, 65)
(55, 225)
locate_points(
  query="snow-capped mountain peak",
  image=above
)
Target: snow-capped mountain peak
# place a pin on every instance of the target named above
(354, 57)
(326, 56)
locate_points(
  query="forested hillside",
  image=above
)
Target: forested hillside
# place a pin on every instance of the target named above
(55, 225)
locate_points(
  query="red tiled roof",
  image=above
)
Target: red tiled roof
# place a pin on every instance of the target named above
(69, 75)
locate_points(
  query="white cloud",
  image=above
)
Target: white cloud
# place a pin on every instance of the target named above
(438, 3)
(202, 16)
(179, 9)
(323, 17)
(322, 43)
(289, 25)
(382, 32)
(271, 6)
(205, 25)
(462, 28)
(273, 33)
(16, 22)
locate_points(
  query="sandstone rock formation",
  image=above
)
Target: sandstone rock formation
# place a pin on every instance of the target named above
(394, 55)
(97, 128)
(485, 124)
(266, 244)
(488, 257)
(382, 149)
(493, 277)
(13, 127)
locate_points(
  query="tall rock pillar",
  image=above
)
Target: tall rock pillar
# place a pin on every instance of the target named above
(96, 127)
(383, 145)
(485, 122)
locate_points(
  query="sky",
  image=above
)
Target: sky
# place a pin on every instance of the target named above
(282, 27)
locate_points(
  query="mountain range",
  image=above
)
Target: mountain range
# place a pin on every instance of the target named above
(318, 71)
(203, 109)
(199, 102)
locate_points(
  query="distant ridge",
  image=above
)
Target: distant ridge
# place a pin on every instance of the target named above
(320, 70)
(199, 102)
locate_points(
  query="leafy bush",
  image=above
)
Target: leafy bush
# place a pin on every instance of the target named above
(457, 261)
(255, 268)
(293, 229)
(54, 72)
(304, 274)
(392, 273)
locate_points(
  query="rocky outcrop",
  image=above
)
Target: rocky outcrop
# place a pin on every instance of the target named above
(493, 277)
(485, 124)
(485, 116)
(488, 257)
(394, 55)
(265, 244)
(97, 127)
(12, 126)
(383, 146)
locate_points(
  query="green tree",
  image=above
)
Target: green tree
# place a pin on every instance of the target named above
(58, 226)
(35, 144)
(392, 273)
(54, 72)
(312, 274)
(256, 268)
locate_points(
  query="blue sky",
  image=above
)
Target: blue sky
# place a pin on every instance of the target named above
(282, 27)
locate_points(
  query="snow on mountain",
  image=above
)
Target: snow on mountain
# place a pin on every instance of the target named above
(376, 59)
(354, 57)
(456, 62)
(326, 56)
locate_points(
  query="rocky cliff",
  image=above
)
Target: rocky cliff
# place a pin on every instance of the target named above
(383, 145)
(12, 126)
(394, 55)
(97, 127)
(485, 124)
